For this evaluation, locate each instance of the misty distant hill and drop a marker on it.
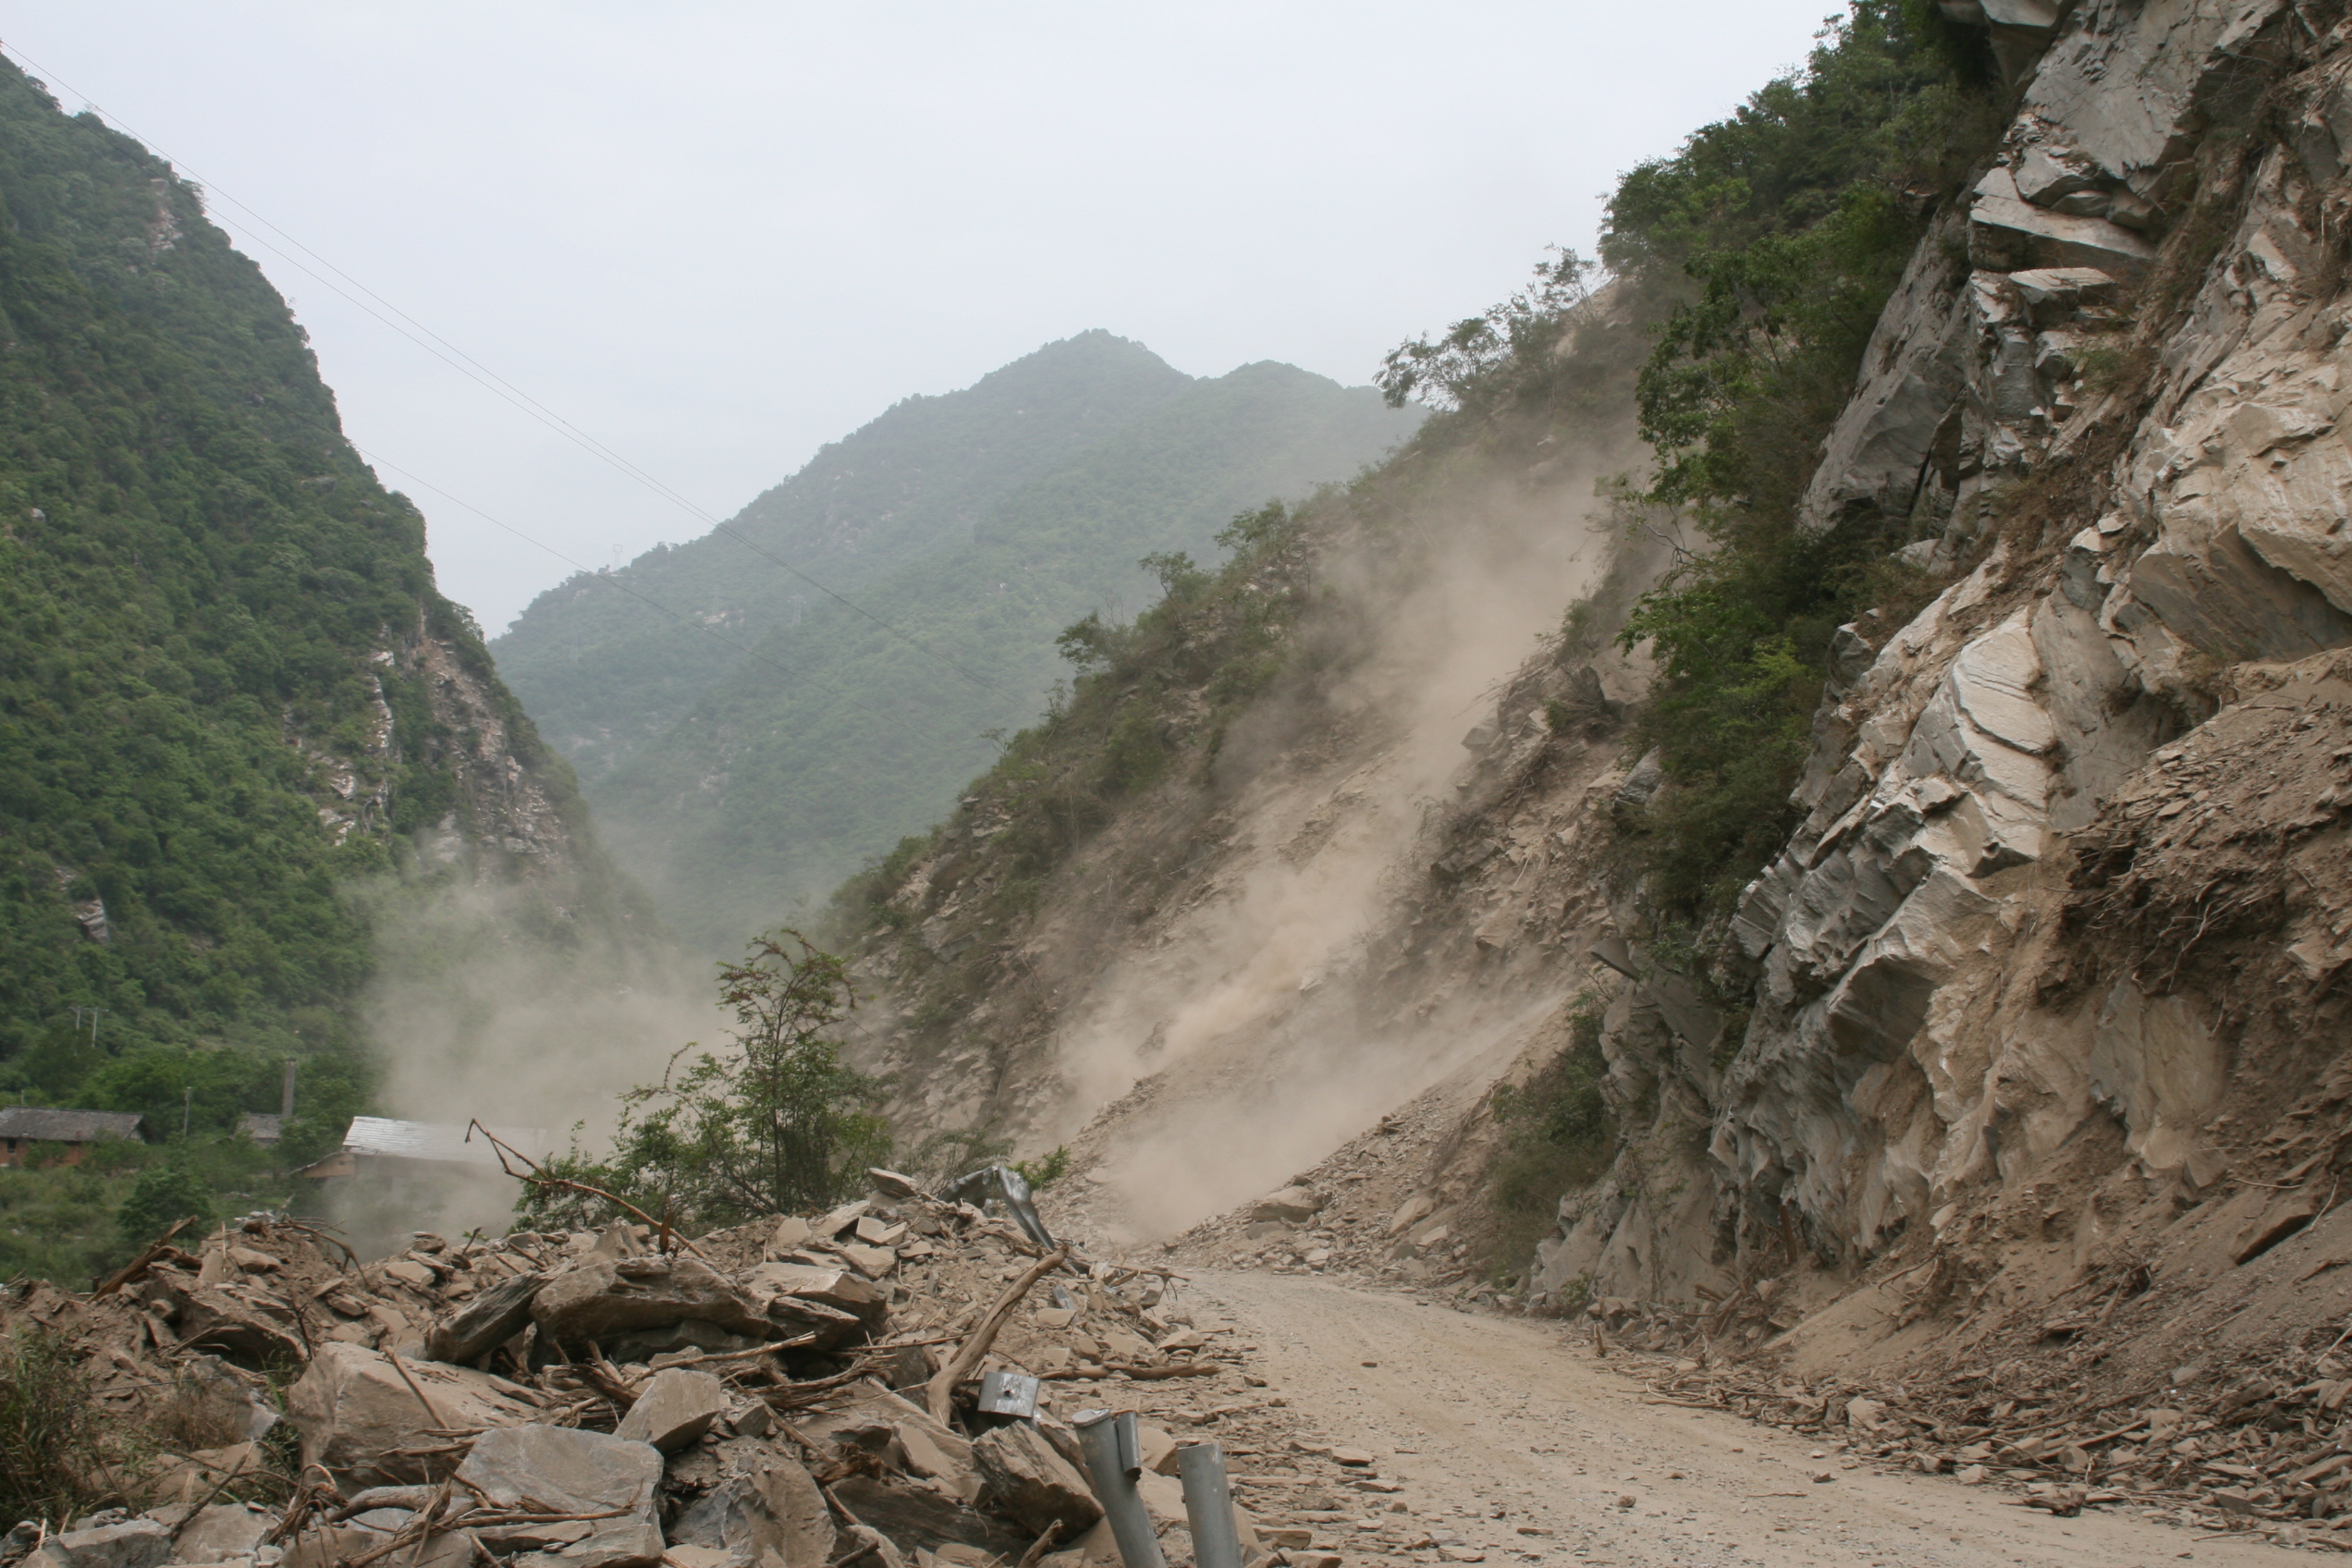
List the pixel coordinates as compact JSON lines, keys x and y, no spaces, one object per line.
{"x":979,"y":524}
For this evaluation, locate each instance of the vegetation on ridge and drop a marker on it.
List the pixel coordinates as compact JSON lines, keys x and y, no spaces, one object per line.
{"x":1792,"y":221}
{"x":200,"y":584}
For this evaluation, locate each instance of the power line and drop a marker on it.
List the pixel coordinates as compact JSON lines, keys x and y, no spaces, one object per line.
{"x":482,"y":375}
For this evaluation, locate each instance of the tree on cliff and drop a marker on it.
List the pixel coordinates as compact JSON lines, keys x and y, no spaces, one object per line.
{"x":774,"y":1123}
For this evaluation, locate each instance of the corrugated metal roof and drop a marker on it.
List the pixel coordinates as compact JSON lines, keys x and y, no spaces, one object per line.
{"x":439,"y":1144}
{"x":68,"y":1126}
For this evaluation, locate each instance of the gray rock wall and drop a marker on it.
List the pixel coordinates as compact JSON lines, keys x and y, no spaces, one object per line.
{"x":1900,"y":1046}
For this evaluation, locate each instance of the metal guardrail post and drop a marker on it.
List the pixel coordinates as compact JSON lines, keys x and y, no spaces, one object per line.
{"x":1208,"y":1505}
{"x":1114,"y":1458}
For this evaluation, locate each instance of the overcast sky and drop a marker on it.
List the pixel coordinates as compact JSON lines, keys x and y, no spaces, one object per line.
{"x":716,"y":236}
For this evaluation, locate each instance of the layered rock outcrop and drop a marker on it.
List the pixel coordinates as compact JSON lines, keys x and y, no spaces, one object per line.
{"x":2107,"y":395}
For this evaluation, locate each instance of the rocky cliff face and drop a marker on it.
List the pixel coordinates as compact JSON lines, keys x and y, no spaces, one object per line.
{"x":2063,"y":931}
{"x":2042,"y":1002}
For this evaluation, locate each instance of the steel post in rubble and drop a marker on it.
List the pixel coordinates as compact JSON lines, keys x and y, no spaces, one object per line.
{"x":1208,"y":1505}
{"x":1114,"y":1459}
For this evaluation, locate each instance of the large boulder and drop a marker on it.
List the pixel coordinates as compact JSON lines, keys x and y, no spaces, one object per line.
{"x":136,"y":1543}
{"x":911,"y":1514}
{"x":837,"y":1288}
{"x":607,"y":1298}
{"x":1295,"y":1205}
{"x":542,"y":1469}
{"x":1026,"y":1481}
{"x":925,"y":1447}
{"x":482,"y":1325}
{"x":355,"y":1414}
{"x":769,"y":1514}
{"x":222,"y":1531}
{"x":676,"y":1409}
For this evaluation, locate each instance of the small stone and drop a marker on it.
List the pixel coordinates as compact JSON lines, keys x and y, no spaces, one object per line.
{"x":1821,"y":1475}
{"x":1971,"y":1475}
{"x":1451,"y":1553}
{"x":1349,"y":1456}
{"x":872,"y":1262}
{"x":1625,"y":1500}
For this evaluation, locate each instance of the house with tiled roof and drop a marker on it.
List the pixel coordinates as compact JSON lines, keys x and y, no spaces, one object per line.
{"x":22,"y":1128}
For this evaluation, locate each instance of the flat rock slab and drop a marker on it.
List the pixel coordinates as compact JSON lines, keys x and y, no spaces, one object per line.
{"x":565,"y":1471}
{"x":137,"y":1543}
{"x":353,"y":1410}
{"x":840,"y":1289}
{"x":220,"y":1532}
{"x":607,"y":1296}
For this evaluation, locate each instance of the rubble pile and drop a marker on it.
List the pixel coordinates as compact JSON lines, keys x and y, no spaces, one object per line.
{"x":1398,"y":1208}
{"x":2268,"y":1450}
{"x":803,"y":1391}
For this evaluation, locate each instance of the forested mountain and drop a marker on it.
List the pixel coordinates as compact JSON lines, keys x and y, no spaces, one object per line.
{"x":736,"y":777}
{"x":604,"y":671}
{"x":229,"y":692}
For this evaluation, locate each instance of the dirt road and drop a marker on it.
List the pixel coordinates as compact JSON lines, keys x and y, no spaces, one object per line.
{"x":1495,"y":1426}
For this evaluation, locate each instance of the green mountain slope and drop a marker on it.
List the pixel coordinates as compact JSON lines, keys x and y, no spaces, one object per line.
{"x":229,"y":692}
{"x":839,"y":737}
{"x":603,"y":672}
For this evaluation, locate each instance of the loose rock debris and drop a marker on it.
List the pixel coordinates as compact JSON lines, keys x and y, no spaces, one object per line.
{"x":790,"y":1392}
{"x":2269,"y":1451}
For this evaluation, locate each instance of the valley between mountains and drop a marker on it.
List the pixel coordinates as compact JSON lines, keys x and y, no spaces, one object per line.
{"x":1710,"y":926}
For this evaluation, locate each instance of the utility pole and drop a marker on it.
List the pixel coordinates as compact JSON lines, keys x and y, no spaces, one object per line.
{"x":187,"y":1105}
{"x":285,"y":1099}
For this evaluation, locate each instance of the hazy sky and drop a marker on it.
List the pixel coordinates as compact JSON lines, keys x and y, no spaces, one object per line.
{"x":717,"y":236}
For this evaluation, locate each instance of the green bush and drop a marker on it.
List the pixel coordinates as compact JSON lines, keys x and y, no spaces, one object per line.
{"x":54,"y":1461}
{"x":1046,"y":1169}
{"x":162,"y":1195}
{"x":1792,"y":221}
{"x":775,"y":1124}
{"x":1558,"y":1134}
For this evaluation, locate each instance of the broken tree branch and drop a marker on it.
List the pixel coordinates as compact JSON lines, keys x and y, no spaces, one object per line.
{"x":431,"y":1413}
{"x":532,"y":1177}
{"x":939,"y":1394}
{"x":132,"y":1269}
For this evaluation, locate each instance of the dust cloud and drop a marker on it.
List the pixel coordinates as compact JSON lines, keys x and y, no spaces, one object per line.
{"x":1257,"y":1033}
{"x":487,"y":1006}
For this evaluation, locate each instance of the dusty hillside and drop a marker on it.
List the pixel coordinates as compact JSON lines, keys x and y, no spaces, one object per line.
{"x":1300,"y":924}
{"x":2023,"y":1051}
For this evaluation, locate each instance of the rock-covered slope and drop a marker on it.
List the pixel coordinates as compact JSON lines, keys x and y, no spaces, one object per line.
{"x":2023,"y":1051}
{"x":229,"y":692}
